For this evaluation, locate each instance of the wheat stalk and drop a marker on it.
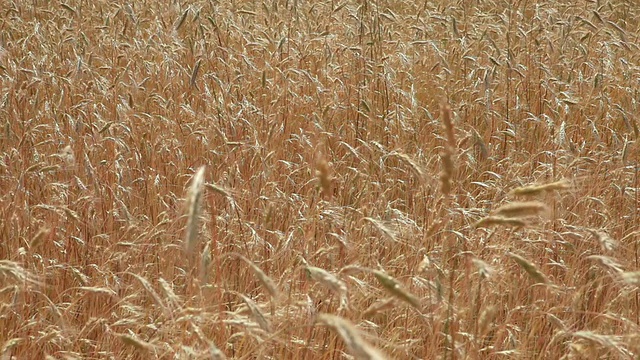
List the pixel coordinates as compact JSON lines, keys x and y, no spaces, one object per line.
{"x":604,"y":239}
{"x":520,"y":209}
{"x":255,"y":312}
{"x":533,"y":190}
{"x":449,"y":149}
{"x":386,"y":231}
{"x":394,"y":287}
{"x":324,"y":175}
{"x":530,"y":268}
{"x":266,"y":281}
{"x":358,"y":347}
{"x":331,"y":281}
{"x":499,"y":220}
{"x":137,"y":343}
{"x":194,"y":196}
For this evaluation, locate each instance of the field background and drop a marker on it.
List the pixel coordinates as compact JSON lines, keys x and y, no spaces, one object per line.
{"x":319,"y":179}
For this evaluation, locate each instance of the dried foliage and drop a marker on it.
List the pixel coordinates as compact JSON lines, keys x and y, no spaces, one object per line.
{"x":461,"y":179}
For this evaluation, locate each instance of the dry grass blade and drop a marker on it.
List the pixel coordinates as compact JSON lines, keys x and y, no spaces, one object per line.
{"x":358,"y":347}
{"x":266,"y":281}
{"x":163,"y":140}
{"x":180,"y":21}
{"x":520,"y":209}
{"x":194,"y":74}
{"x":193,"y":208}
{"x":394,"y":287}
{"x":529,"y":268}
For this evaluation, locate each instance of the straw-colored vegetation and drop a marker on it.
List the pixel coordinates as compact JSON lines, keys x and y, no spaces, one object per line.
{"x":289,"y":179}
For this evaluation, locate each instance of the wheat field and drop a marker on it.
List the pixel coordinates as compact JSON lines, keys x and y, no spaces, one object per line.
{"x":344,"y":179}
